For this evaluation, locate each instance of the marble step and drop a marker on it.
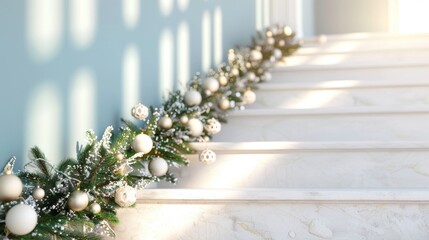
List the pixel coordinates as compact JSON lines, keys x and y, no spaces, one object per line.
{"x":386,"y":123}
{"x":383,"y":70}
{"x":276,"y":214}
{"x":308,"y":165}
{"x":341,"y":93}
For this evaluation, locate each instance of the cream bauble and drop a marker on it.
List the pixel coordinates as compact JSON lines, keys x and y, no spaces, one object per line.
{"x":249,"y":97}
{"x":142,"y":143}
{"x":165,"y":122}
{"x":158,"y":167}
{"x":251,"y":76}
{"x":213,"y":126}
{"x":38,"y":193}
{"x":255,"y":55}
{"x":184,"y":119}
{"x":193,"y":97}
{"x":195,"y":127}
{"x":235,"y":72}
{"x":223,"y":80}
{"x":125,"y":196}
{"x":223,"y":103}
{"x":10,"y":187}
{"x":282,"y":43}
{"x":277,"y":53}
{"x":267,"y":76}
{"x":140,"y":111}
{"x":271,"y":41}
{"x":287,"y":31}
{"x":207,"y":156}
{"x":21,"y":219}
{"x":78,"y":201}
{"x":211,"y":84}
{"x":95,"y":208}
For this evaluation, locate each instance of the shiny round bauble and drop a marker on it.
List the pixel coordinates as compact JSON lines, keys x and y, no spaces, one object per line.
{"x":269,"y":33}
{"x":207,"y":156}
{"x":38,"y":193}
{"x":208,"y":93}
{"x":140,"y":111}
{"x":193,"y":97}
{"x":165,"y":122}
{"x":21,"y":219}
{"x":267,"y":76}
{"x":251,"y":76}
{"x":95,"y":208}
{"x":211,"y":84}
{"x":184,"y":119}
{"x":287,"y":31}
{"x":223,"y":80}
{"x":249,"y":97}
{"x":78,"y":201}
{"x":235,"y":72}
{"x":125,"y":196}
{"x":10,"y":187}
{"x":271,"y":41}
{"x":277,"y":53}
{"x":213,"y":126}
{"x":223,"y":103}
{"x":255,"y":55}
{"x":195,"y":127}
{"x":158,"y":167}
{"x":142,"y":143}
{"x":282,"y":43}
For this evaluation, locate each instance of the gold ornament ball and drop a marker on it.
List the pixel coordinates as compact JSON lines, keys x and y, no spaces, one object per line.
{"x":249,"y":97}
{"x":196,"y":127}
{"x":223,"y":103}
{"x":165,"y":122}
{"x":95,"y":208}
{"x":78,"y":201}
{"x":158,"y":167}
{"x":211,"y":84}
{"x":235,"y":72}
{"x":21,"y":219}
{"x":255,"y":55}
{"x":38,"y":193}
{"x":10,"y":187}
{"x":223,"y":80}
{"x":192,"y":97}
{"x":287,"y":31}
{"x":184,"y":119}
{"x":142,"y":143}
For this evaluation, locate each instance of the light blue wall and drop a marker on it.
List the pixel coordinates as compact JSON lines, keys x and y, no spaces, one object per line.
{"x":39,"y":78}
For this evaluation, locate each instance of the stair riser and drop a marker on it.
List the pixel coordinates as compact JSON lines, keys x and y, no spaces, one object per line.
{"x":347,"y":97}
{"x":274,"y":221}
{"x":380,"y":73}
{"x":407,"y":126}
{"x":366,"y":168}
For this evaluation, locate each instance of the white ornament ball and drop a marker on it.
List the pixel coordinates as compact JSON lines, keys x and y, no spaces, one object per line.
{"x":140,"y":111}
{"x":78,"y":201}
{"x":211,"y":84}
{"x":223,"y":103}
{"x":235,"y":71}
{"x":165,"y":122}
{"x":277,"y":53}
{"x":142,"y":143}
{"x":21,"y":219}
{"x":184,"y":119}
{"x":195,"y":127}
{"x":267,"y":76}
{"x":271,"y":41}
{"x":287,"y":30}
{"x":207,"y":156}
{"x":249,"y":97}
{"x":223,"y":80}
{"x":255,"y":55}
{"x":10,"y":187}
{"x":95,"y":208}
{"x":125,"y":196}
{"x":282,"y":43}
{"x":38,"y":193}
{"x":158,"y":167}
{"x":251,"y":76}
{"x":193,"y":97}
{"x":213,"y":126}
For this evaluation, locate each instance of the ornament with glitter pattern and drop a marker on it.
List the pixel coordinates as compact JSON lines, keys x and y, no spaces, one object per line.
{"x":140,"y":111}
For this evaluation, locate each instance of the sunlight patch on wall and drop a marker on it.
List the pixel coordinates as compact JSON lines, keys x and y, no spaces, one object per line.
{"x":130,"y":78}
{"x":266,"y":18}
{"x":183,"y":4}
{"x":82,"y":107}
{"x":183,"y":52}
{"x":44,"y":122}
{"x":258,"y":15}
{"x":83,"y":22}
{"x":206,"y":41}
{"x":131,"y":13}
{"x":166,"y":61}
{"x":412,"y":16}
{"x":218,"y":35}
{"x":166,"y":7}
{"x":44,"y":28}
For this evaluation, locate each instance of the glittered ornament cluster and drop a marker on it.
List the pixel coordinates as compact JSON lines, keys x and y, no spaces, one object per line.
{"x":78,"y":198}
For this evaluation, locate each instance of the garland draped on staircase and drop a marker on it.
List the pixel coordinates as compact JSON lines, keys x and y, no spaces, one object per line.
{"x":78,"y":198}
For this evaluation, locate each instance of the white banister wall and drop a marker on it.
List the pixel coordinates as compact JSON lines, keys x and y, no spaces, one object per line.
{"x":288,"y":12}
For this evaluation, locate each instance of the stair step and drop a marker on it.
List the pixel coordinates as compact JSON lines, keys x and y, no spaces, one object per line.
{"x":341,"y":93}
{"x":277,"y":214}
{"x":308,"y":165}
{"x":327,"y":124}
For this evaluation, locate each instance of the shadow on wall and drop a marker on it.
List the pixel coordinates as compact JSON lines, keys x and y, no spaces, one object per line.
{"x":71,"y":65}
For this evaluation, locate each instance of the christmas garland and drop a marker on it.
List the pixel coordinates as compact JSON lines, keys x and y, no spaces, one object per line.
{"x":78,"y":198}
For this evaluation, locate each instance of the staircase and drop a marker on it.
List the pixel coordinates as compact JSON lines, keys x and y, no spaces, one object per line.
{"x":336,"y":147}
